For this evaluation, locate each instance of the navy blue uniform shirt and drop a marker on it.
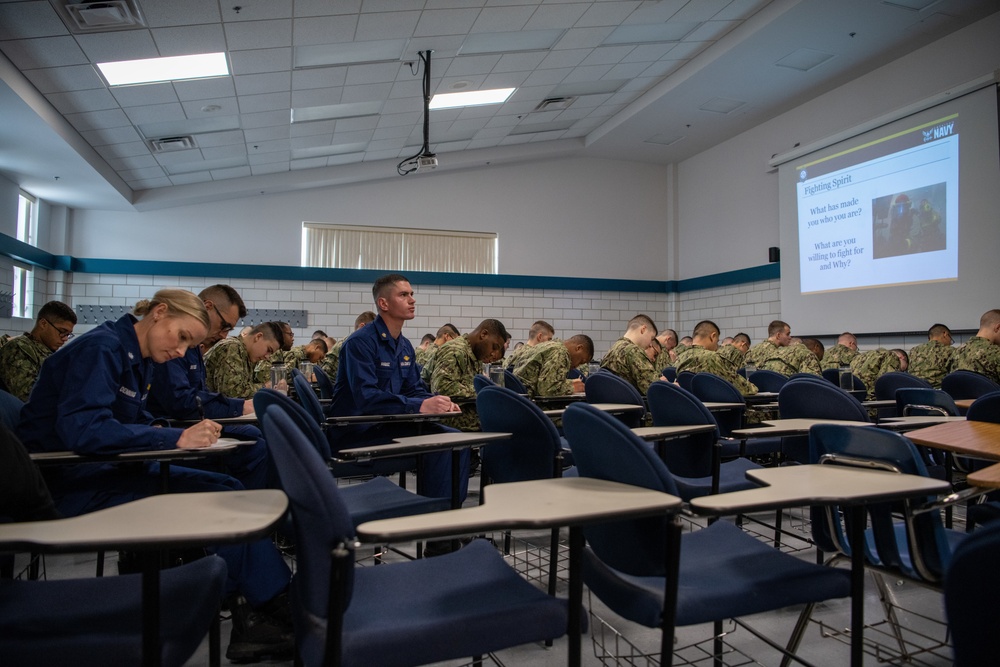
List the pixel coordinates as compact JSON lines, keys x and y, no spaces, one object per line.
{"x":179,"y":383}
{"x":91,"y":397}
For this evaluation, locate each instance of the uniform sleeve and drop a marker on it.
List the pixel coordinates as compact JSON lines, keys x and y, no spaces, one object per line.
{"x":226,"y":374}
{"x":173,"y":396}
{"x":641,"y":369}
{"x":450,"y":377}
{"x":18,"y":369}
{"x":94,"y":417}
{"x":552,"y":376}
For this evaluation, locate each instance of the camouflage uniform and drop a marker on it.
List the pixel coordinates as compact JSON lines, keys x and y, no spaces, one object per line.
{"x":421,"y":355}
{"x":680,"y":348}
{"x":931,"y":361}
{"x":511,"y":361}
{"x":4,"y":339}
{"x":454,"y":367}
{"x":428,"y":368}
{"x":765,"y":355}
{"x":799,"y":359}
{"x":697,"y":359}
{"x":980,"y":356}
{"x":837,"y":357}
{"x":20,"y":360}
{"x":629,"y":361}
{"x":733,"y":355}
{"x":873,"y":364}
{"x":290,"y":359}
{"x":544,"y":374}
{"x":331,"y":360}
{"x":228,"y":369}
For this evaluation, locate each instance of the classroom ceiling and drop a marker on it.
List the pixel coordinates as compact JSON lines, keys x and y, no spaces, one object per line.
{"x":654,"y":81}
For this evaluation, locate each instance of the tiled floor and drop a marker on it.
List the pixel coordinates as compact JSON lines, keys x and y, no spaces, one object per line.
{"x":626,"y":640}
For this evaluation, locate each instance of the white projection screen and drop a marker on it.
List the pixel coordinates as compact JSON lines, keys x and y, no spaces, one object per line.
{"x":896,"y":228}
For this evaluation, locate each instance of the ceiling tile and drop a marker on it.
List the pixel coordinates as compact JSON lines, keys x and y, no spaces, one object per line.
{"x":323,"y":30}
{"x":111,"y":135}
{"x":711,"y":30}
{"x":607,"y":55}
{"x":556,"y":16}
{"x":222,"y":152}
{"x":187,"y":179}
{"x":608,"y":13}
{"x":319,"y":77}
{"x":266,"y":133}
{"x":265,"y":102}
{"x":180,"y":12}
{"x":121,"y":45}
{"x":390,"y":5}
{"x":270,"y":82}
{"x":64,"y":79}
{"x":261,"y":60}
{"x":703,"y":10}
{"x":583,"y":38}
{"x":153,"y":93}
{"x":233,"y":172}
{"x":318,"y":97}
{"x":378,"y":91}
{"x":519,"y":62}
{"x":265,"y":119}
{"x":131,"y":148}
{"x":445,"y":22}
{"x":44,"y":52}
{"x":503,"y":19}
{"x":373,"y":73}
{"x":566,"y":58}
{"x":155,"y":114}
{"x":392,"y":25}
{"x":225,"y":138}
{"x":190,"y":39}
{"x":258,"y":35}
{"x":82,"y":100}
{"x":98,"y":120}
{"x":258,"y":10}
{"x":205,"y":109}
{"x":203,"y":89}
{"x":277,"y":167}
{"x":24,"y":20}
{"x":134,"y":162}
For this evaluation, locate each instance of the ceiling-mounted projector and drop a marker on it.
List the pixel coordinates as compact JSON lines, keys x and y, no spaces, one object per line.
{"x":426,"y":162}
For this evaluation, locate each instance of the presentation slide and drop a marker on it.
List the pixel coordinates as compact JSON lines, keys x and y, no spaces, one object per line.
{"x":883,"y":213}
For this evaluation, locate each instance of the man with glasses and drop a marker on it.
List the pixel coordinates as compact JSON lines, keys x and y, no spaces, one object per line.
{"x":21,"y":358}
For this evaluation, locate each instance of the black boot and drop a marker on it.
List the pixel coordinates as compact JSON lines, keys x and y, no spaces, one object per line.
{"x":260,"y":633}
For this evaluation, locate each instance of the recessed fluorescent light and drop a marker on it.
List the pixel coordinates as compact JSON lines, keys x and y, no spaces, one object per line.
{"x":173,"y":68}
{"x":472,"y":98}
{"x":505,"y":42}
{"x":320,"y":151}
{"x":673,"y":31}
{"x":334,"y":111}
{"x":324,"y":55}
{"x":537,"y":128}
{"x":721,"y":105}
{"x":204,"y":165}
{"x":579,"y":88}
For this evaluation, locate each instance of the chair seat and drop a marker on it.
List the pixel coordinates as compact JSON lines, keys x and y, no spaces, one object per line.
{"x":472,"y":591}
{"x":98,"y":621}
{"x":721,"y":568}
{"x":732,"y":477}
{"x":380,"y":498}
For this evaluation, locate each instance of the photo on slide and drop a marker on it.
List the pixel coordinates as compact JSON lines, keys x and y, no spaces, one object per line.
{"x":909,"y":222}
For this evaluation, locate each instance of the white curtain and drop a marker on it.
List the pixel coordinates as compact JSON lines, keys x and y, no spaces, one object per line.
{"x":393,"y":249}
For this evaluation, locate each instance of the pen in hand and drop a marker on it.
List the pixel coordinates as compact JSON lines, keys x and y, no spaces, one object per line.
{"x":201,"y":408}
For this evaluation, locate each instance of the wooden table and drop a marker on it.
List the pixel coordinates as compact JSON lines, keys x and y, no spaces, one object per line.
{"x":964,"y":437}
{"x":826,"y":485}
{"x":610,"y":408}
{"x":964,"y":403}
{"x":538,"y":504}
{"x":153,"y":524}
{"x":414,"y":417}
{"x":916,"y":421}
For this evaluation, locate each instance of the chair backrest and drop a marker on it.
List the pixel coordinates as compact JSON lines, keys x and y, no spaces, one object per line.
{"x":320,"y":518}
{"x":968,"y":384}
{"x":323,"y":382}
{"x":265,"y":398}
{"x":512,"y":382}
{"x":986,"y":408}
{"x":480,"y":381}
{"x":10,"y":410}
{"x":670,"y":373}
{"x":887,"y":384}
{"x":971,"y":588}
{"x":714,"y":389}
{"x":307,"y":397}
{"x":684,"y":379}
{"x":531,"y":451}
{"x":916,"y":400}
{"x":606,"y":387}
{"x":671,"y":405}
{"x":802,"y":398}
{"x":924,"y":552}
{"x":768,"y":380}
{"x":604,"y":448}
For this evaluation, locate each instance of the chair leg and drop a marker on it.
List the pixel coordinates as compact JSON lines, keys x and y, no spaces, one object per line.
{"x":777,"y":528}
{"x":100,"y":563}
{"x":798,"y":632}
{"x":717,"y":644}
{"x":885,"y":597}
{"x":214,"y":646}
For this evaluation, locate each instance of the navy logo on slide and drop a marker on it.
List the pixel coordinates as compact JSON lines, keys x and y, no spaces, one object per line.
{"x":939,"y":132}
{"x":803,"y":175}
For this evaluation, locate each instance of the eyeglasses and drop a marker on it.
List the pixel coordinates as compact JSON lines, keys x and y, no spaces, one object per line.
{"x":65,"y":334}
{"x":226,"y":326}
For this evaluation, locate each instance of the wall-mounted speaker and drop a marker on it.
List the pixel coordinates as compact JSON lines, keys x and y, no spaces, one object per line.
{"x":774,"y":254}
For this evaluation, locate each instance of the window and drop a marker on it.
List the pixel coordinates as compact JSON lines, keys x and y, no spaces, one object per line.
{"x":393,"y":249}
{"x":27,"y":228}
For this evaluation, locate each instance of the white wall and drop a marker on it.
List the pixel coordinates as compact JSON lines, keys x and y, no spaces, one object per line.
{"x":568,"y":217}
{"x":728,"y":202}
